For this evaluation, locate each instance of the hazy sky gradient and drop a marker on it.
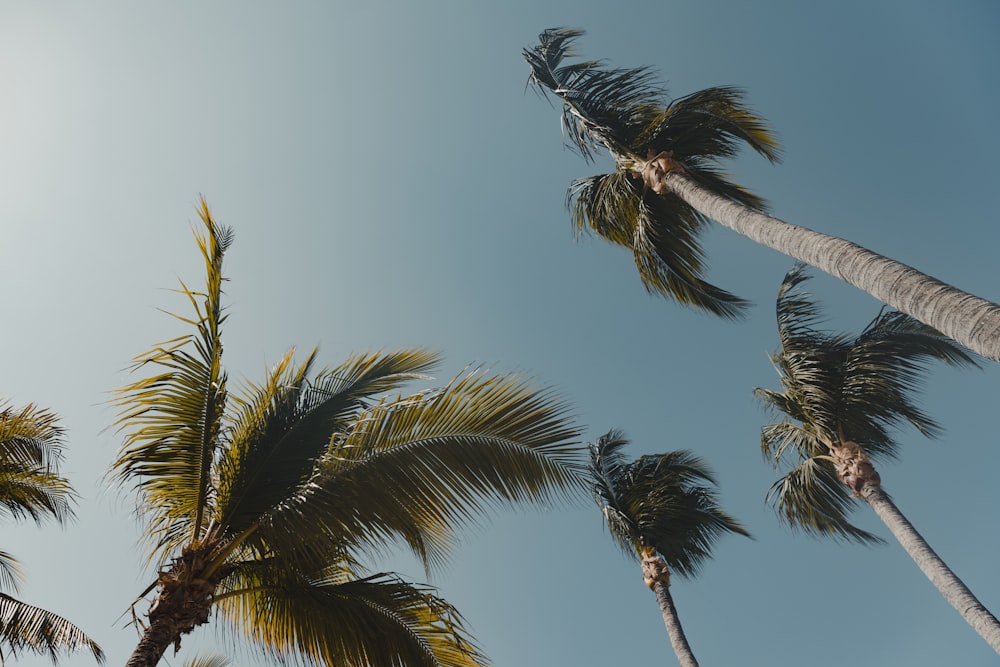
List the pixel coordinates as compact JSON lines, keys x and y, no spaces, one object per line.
{"x":392,"y":183}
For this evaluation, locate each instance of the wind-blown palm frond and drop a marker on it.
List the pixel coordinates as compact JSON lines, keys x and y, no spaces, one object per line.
{"x":30,"y":453}
{"x":336,"y":618}
{"x":620,"y":210}
{"x":283,"y":427}
{"x":663,"y":501}
{"x":837,"y":388}
{"x":416,"y":468}
{"x":172,"y":420}
{"x":625,"y":111}
{"x":24,"y":627}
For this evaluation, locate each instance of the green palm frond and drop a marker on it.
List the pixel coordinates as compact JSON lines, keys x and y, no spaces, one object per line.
{"x":836,"y":388}
{"x":664,"y":501}
{"x":671,"y":262}
{"x":283,"y":427}
{"x":30,"y":453}
{"x":27,"y":628}
{"x":416,"y":468}
{"x":625,"y":111}
{"x":810,"y":497}
{"x":172,"y":419}
{"x":338,"y":619}
{"x":11,"y":574}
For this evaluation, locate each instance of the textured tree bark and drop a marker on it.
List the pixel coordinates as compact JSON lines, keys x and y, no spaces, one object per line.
{"x":950,"y":586}
{"x":972,"y":321}
{"x":657,"y":577}
{"x":152,"y":645}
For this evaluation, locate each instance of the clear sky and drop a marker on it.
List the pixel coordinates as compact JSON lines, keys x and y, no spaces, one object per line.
{"x":391,"y":183}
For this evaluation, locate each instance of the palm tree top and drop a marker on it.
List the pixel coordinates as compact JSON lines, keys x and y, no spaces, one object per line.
{"x":839,"y":388}
{"x":664,"y":502}
{"x":626,"y":112}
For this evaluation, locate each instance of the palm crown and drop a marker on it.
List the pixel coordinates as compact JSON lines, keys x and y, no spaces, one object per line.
{"x":272,"y":497}
{"x":838,"y":388}
{"x":663,"y":502}
{"x":624,"y":111}
{"x":31,"y":444}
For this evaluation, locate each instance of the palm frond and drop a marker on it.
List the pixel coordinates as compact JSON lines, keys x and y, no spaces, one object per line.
{"x":837,"y":388}
{"x":337,"y":619}
{"x":415,"y":468}
{"x":27,"y":628}
{"x":283,"y":427}
{"x":208,"y":661}
{"x":31,"y":442}
{"x":670,"y":261}
{"x":172,"y":420}
{"x":664,"y":501}
{"x":601,"y":107}
{"x":810,"y":497}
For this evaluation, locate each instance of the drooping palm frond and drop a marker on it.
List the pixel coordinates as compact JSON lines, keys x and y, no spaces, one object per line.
{"x":838,"y":388}
{"x":283,"y":427}
{"x":810,"y":497}
{"x":625,"y":111}
{"x":416,"y":468}
{"x":670,"y":262}
{"x":30,"y":452}
{"x":27,"y":628}
{"x":664,"y":501}
{"x":172,"y":420}
{"x":208,"y":661}
{"x":336,"y":618}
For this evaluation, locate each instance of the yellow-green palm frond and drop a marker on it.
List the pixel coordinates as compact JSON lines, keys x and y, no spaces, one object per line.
{"x":27,"y":628}
{"x":670,"y":261}
{"x":172,"y":419}
{"x":415,"y":468}
{"x":208,"y":661}
{"x":664,"y":501}
{"x":283,"y":427}
{"x":31,"y":442}
{"x":337,"y":618}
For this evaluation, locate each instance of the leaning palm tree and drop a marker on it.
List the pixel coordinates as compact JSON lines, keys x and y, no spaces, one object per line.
{"x":264,"y":504}
{"x":32,"y":488}
{"x":842,"y":399}
{"x":662,"y":510}
{"x":667,"y":185}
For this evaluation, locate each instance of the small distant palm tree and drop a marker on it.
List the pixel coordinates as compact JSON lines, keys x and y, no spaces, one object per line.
{"x":32,"y":488}
{"x":668,"y":184}
{"x":842,"y":398}
{"x":264,"y":504}
{"x":662,"y":510}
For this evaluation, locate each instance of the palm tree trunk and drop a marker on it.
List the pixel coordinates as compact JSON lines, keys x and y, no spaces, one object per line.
{"x":153,"y":644}
{"x":966,"y":318}
{"x":678,"y":640}
{"x":657,"y":577}
{"x":950,"y":586}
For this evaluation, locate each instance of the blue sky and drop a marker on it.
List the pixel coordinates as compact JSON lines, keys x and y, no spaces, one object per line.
{"x":392,"y":183}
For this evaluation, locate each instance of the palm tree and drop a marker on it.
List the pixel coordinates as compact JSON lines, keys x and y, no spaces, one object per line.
{"x":264,"y":504}
{"x":32,"y":488}
{"x":667,"y":186}
{"x":842,"y":399}
{"x":662,"y":510}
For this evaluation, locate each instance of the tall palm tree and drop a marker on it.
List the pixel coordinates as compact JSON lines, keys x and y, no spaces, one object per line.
{"x":667,"y":186}
{"x":263,"y":504}
{"x":32,"y":488}
{"x":662,"y":510}
{"x":842,"y":399}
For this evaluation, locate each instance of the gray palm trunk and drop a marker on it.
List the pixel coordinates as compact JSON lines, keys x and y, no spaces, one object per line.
{"x":972,"y":321}
{"x":948,"y":584}
{"x":678,"y":640}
